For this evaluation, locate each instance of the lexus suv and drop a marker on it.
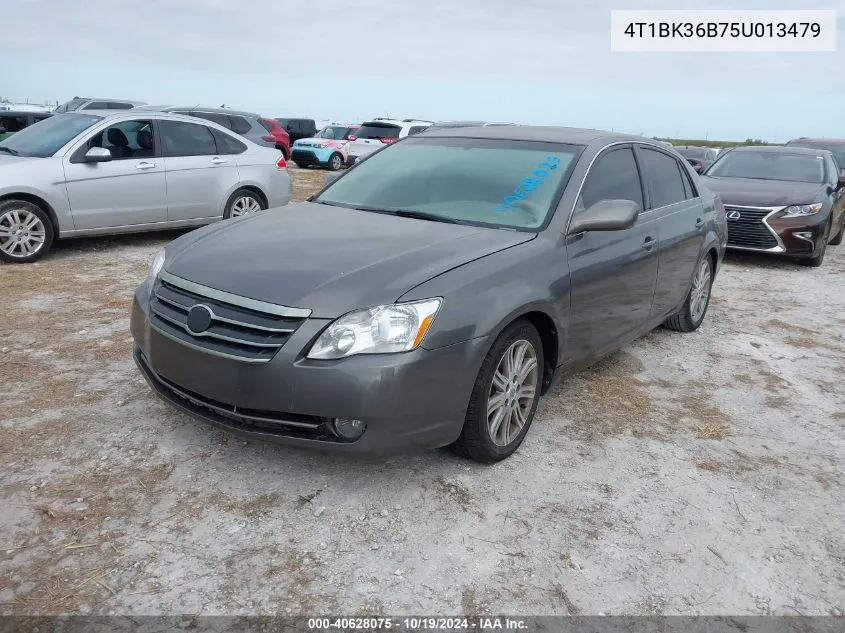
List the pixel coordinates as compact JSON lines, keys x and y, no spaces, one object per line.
{"x":780,"y":200}
{"x":375,"y":134}
{"x":428,"y":296}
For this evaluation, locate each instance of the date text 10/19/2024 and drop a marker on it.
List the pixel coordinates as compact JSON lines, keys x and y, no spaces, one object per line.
{"x":528,"y":185}
{"x":417,"y":624}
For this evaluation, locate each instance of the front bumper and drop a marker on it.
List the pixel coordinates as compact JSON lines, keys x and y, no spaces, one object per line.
{"x":800,"y":237}
{"x":415,"y":399}
{"x":311,"y":155}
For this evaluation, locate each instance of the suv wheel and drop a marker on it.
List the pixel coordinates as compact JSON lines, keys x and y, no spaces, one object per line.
{"x":815,"y":262}
{"x":26,"y":233}
{"x":691,"y":314}
{"x":243,"y":202}
{"x":504,"y":398}
{"x":335,"y":162}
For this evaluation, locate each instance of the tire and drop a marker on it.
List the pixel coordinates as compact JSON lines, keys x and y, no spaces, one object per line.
{"x":243,"y":202}
{"x":335,"y":162}
{"x":26,"y":232}
{"x":692,"y":313}
{"x":302,"y":165}
{"x":815,"y":262}
{"x":519,"y":340}
{"x":836,"y":241}
{"x":285,"y":154}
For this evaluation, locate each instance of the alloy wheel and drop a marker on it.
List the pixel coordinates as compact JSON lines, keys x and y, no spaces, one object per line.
{"x":512,"y":392}
{"x":700,"y":293}
{"x":22,"y":233}
{"x":245,"y":205}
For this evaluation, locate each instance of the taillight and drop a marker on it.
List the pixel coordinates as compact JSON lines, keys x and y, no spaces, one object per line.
{"x":352,"y":137}
{"x":281,"y":163}
{"x":388,"y":141}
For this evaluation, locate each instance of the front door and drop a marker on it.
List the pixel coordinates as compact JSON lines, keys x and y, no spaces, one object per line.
{"x":198,"y":178}
{"x":125,"y":191}
{"x":612,"y":273}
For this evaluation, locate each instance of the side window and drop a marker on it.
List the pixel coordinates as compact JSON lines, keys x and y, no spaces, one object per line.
{"x":126,"y":140}
{"x":186,"y":139}
{"x":239,"y":124}
{"x":614,"y":176}
{"x":663,"y":176}
{"x":417,"y":129}
{"x":220,"y":119}
{"x":13,"y":123}
{"x":97,"y":105}
{"x":227,"y":144}
{"x":119,"y":105}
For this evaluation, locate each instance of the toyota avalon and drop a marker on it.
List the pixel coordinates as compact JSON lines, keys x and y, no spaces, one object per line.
{"x":430,"y":294}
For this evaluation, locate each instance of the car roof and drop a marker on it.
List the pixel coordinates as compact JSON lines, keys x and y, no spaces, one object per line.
{"x":571,"y":135}
{"x":399,"y":122}
{"x":171,"y":108}
{"x":780,"y":149}
{"x":24,"y":112}
{"x":107,"y":100}
{"x":830,"y":141}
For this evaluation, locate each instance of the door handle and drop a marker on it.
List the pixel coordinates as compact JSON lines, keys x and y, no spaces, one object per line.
{"x":699,"y":223}
{"x":144,"y":165}
{"x":649,"y":243}
{"x":219,"y":161}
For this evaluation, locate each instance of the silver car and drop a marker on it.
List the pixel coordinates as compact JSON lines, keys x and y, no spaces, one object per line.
{"x":106,"y":172}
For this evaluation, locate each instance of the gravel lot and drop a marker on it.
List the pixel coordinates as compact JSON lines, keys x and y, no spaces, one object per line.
{"x":686,"y":474}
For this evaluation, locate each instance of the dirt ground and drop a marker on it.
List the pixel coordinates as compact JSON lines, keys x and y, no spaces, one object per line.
{"x":687,"y":474}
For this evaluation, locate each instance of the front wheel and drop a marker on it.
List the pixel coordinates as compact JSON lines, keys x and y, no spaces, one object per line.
{"x":815,"y":262}
{"x":335,"y":162}
{"x":26,"y":233}
{"x":243,"y":202}
{"x":504,"y":398}
{"x":691,"y":314}
{"x":836,"y":241}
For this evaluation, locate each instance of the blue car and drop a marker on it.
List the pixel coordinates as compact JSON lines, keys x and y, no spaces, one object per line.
{"x":329,"y":148}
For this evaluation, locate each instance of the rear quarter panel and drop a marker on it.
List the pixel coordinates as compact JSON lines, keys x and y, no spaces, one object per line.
{"x":257,"y":167}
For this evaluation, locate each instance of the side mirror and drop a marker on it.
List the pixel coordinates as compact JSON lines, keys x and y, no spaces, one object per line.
{"x":606,"y":215}
{"x":331,"y":177}
{"x":97,"y":155}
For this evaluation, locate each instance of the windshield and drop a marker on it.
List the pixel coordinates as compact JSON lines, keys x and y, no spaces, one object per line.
{"x":71,"y":105}
{"x":497,"y":183}
{"x":767,"y":165}
{"x":837,"y":149}
{"x":47,"y":137}
{"x":375,"y":130}
{"x":336,"y":132}
{"x":692,"y":153}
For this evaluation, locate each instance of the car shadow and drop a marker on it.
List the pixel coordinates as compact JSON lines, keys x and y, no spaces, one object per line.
{"x":77,"y":246}
{"x":761,"y":260}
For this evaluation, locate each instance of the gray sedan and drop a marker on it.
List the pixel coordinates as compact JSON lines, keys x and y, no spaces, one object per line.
{"x":104,"y":172}
{"x":430,"y":295}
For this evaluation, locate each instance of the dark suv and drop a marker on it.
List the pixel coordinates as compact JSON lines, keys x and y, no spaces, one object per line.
{"x":298,"y":128}
{"x":12,"y":121}
{"x":430,"y":294}
{"x":780,"y":200}
{"x":260,"y":130}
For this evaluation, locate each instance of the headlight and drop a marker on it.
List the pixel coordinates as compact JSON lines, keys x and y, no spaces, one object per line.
{"x":378,"y":330}
{"x":802,"y":209}
{"x":155,"y":269}
{"x":321,"y":145}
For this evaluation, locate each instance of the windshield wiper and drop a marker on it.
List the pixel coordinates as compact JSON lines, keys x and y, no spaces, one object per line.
{"x":422,"y":215}
{"x":8,"y":149}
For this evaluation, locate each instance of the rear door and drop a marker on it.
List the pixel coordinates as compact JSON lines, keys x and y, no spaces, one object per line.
{"x":372,"y":136}
{"x":612,"y":273}
{"x":125,"y":191}
{"x":199,"y":178}
{"x":673,"y":202}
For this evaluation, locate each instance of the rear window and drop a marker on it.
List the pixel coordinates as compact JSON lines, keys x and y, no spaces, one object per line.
{"x":374,"y":129}
{"x":837,"y":149}
{"x":692,"y":152}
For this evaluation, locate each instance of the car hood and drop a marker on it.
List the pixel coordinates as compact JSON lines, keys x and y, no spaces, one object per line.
{"x":7,"y":160}
{"x":763,"y":193}
{"x":328,"y":259}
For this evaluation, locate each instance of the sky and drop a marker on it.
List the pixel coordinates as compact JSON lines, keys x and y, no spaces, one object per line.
{"x":545,"y":62}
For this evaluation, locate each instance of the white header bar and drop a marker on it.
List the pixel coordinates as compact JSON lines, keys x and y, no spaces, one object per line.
{"x":702,"y":31}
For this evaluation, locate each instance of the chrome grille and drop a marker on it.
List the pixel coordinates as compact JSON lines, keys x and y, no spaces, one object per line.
{"x":749,"y":230}
{"x":235,"y":331}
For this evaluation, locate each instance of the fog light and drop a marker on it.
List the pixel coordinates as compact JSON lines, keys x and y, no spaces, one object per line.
{"x":349,"y":429}
{"x":804,"y":235}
